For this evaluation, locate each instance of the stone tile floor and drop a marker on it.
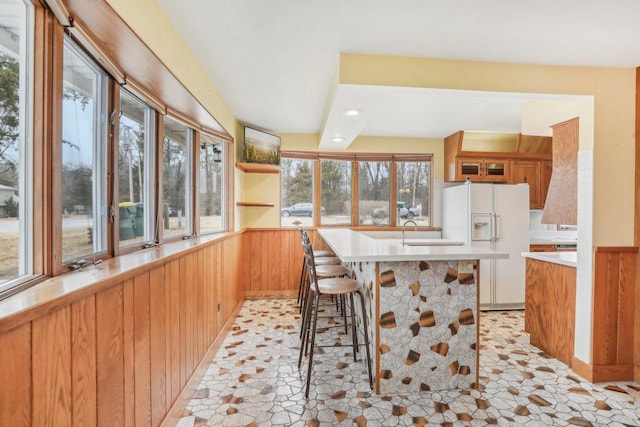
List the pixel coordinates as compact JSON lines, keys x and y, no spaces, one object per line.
{"x":254,"y":381}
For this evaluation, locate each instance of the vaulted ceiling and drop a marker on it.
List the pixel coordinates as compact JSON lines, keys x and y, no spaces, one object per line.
{"x":275,"y":62}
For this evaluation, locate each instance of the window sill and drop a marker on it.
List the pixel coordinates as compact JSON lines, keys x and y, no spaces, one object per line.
{"x":55,"y":292}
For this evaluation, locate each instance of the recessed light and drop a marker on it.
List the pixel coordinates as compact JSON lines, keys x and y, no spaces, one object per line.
{"x":337,"y":139}
{"x":352,"y":112}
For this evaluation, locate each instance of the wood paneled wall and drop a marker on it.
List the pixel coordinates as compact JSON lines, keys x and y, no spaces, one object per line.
{"x":636,"y":238}
{"x":550,"y":308}
{"x":122,"y":356}
{"x":274,"y":261}
{"x":612,"y":327}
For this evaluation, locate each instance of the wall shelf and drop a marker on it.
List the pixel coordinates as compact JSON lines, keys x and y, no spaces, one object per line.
{"x":257,"y":168}
{"x":258,"y":204}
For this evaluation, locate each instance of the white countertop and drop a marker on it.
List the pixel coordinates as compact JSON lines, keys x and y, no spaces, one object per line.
{"x":352,"y":246}
{"x":552,"y":241}
{"x":570,"y":259}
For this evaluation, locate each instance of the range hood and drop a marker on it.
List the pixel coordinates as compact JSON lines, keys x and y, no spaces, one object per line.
{"x":561,"y":206}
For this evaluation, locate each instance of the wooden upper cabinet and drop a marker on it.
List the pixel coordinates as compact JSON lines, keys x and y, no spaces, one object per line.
{"x":462,"y":159}
{"x":561,"y":206}
{"x":528,"y":172}
{"x":486,"y":170}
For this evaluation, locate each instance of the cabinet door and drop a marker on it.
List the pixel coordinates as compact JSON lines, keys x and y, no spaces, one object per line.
{"x":480,"y":170}
{"x":495,"y":170}
{"x":545,"y":177}
{"x":528,"y":172}
{"x":468,"y":167}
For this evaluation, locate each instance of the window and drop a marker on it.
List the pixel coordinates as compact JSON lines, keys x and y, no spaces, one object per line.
{"x":296,"y":201}
{"x":135,"y":149}
{"x":373,"y":193}
{"x":378,"y":175}
{"x":176,"y":197}
{"x":84,"y":118}
{"x":335,"y":193}
{"x":15,"y":138}
{"x":211,"y":186}
{"x":413,"y":189}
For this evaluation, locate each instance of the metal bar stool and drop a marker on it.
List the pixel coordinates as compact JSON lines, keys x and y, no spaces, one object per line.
{"x":323,"y":258}
{"x":336,"y":286}
{"x":326,"y":266}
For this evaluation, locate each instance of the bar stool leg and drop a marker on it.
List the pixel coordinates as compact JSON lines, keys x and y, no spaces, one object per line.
{"x":354,"y":329}
{"x":304,"y":331}
{"x":313,"y":341}
{"x":366,"y":337}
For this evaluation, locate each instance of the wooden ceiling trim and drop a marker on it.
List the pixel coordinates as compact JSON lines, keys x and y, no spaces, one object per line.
{"x":120,"y":44}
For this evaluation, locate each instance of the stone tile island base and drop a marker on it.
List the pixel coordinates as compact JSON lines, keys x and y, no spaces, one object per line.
{"x":424,"y":323}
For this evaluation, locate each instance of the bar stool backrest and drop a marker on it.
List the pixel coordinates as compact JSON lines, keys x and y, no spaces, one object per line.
{"x":309,"y":260}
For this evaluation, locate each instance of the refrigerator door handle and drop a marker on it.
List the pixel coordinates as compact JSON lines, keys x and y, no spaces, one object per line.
{"x":496,"y":219}
{"x":492,"y":226}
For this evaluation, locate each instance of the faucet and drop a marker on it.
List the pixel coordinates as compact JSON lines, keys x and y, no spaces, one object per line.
{"x":415,"y":227}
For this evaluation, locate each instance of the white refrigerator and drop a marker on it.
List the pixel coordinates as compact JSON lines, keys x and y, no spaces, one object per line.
{"x":494,"y":216}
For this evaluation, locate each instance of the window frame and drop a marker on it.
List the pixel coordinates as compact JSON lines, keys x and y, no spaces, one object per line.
{"x":150,"y":152}
{"x":223,"y":175}
{"x":101,"y":167}
{"x":356,"y":158}
{"x":313,"y":192}
{"x":45,"y":33}
{"x":28,"y":249}
{"x":192,"y":138}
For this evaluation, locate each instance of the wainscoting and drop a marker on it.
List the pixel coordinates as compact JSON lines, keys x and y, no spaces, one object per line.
{"x":612,"y":328}
{"x":121,"y":351}
{"x":274,"y":261}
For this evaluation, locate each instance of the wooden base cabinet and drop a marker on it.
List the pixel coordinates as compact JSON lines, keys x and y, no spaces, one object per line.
{"x":550,"y":308}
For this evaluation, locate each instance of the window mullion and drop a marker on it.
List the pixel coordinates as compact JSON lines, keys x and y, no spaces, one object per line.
{"x":393,"y":195}
{"x":355,"y":193}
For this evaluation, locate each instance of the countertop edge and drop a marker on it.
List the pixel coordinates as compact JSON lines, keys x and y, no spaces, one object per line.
{"x":563,"y":258}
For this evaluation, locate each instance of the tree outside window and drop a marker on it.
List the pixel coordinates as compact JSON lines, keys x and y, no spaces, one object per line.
{"x":413,"y":189}
{"x":175,"y":164}
{"x":15,"y":111}
{"x":336,"y":192}
{"x":211,"y":184}
{"x":296,"y":204}
{"x":83,"y":191}
{"x":373,"y":193}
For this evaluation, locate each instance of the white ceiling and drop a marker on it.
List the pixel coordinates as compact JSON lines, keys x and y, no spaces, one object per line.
{"x":274,"y":62}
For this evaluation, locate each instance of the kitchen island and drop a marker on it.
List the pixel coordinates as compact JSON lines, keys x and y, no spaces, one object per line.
{"x":423,"y":304}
